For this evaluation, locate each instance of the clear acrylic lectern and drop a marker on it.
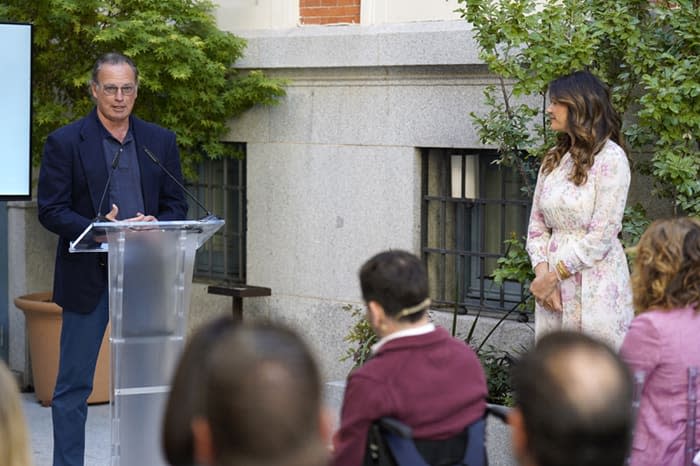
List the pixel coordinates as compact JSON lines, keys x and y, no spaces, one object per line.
{"x":150,"y":277}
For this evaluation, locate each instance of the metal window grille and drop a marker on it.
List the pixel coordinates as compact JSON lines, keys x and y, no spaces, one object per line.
{"x":470,"y":206}
{"x":221,"y":188}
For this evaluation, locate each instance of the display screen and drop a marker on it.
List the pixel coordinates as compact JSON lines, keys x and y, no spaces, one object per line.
{"x":16,"y":114}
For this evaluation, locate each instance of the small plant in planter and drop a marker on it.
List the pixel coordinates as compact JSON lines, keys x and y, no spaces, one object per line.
{"x":497,"y":364}
{"x":361,"y":337}
{"x":513,"y":266}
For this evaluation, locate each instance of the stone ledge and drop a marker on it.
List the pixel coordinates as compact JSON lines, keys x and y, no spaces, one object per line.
{"x":426,"y":43}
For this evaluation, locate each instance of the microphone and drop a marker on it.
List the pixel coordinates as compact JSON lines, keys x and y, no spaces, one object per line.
{"x":177,"y":182}
{"x":115,"y":164}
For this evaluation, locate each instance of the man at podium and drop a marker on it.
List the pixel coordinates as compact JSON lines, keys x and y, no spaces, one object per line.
{"x":94,"y":165}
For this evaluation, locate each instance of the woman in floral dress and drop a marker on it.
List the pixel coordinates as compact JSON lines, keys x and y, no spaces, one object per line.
{"x":582,"y":279}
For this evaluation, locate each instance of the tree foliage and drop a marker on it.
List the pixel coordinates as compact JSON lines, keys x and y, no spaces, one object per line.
{"x":649,"y":52}
{"x":187,"y":79}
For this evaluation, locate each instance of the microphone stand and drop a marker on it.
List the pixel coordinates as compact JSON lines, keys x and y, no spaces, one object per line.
{"x":155,"y":160}
{"x":115,"y":164}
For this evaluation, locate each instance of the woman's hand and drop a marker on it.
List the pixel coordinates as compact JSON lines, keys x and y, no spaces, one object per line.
{"x":553,"y":302}
{"x":545,"y":288}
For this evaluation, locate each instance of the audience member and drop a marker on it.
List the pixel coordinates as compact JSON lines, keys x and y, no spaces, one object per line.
{"x":186,"y":400}
{"x":417,"y":373}
{"x":14,"y":442}
{"x":662,"y":342}
{"x":262,"y":402}
{"x":573,"y":403}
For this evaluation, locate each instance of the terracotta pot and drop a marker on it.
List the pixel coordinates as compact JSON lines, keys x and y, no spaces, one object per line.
{"x":44,"y":319}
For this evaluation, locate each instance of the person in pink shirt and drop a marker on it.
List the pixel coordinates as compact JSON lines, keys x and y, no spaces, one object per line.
{"x":664,"y":338}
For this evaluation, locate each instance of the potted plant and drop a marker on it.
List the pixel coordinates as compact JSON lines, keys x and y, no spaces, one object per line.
{"x":44,"y":319}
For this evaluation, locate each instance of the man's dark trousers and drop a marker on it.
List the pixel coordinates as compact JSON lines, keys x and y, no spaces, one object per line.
{"x":81,"y":337}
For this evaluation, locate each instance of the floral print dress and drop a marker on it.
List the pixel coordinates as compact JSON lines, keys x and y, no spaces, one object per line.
{"x":579,"y":225}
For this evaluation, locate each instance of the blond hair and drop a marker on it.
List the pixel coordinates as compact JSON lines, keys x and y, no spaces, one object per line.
{"x":666,"y":271}
{"x":14,"y":442}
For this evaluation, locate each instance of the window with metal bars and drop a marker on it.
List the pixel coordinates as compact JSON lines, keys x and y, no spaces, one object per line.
{"x":470,"y":206}
{"x":221,"y":188}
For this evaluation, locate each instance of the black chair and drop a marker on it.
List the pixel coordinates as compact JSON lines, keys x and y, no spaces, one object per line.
{"x":391,"y":443}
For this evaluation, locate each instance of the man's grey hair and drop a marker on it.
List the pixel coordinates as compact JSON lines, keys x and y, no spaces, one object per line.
{"x":113,"y":58}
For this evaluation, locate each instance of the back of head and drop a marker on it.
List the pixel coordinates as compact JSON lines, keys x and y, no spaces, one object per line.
{"x":186,"y":400}
{"x":398,"y":281}
{"x":263,"y":399}
{"x":14,"y":443}
{"x":575,"y":396}
{"x":666,"y":272}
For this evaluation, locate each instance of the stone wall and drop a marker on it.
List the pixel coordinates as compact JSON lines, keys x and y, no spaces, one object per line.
{"x":334,"y":173}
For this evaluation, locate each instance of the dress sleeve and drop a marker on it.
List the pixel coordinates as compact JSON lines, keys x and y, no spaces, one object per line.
{"x":612,"y":181}
{"x":641,"y":347}
{"x":538,"y":233}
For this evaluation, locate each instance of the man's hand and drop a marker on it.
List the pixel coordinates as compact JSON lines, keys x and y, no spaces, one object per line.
{"x":112,"y":216}
{"x":142,"y":218}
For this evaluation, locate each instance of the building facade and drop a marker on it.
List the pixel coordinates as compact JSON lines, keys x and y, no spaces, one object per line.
{"x":372,"y":148}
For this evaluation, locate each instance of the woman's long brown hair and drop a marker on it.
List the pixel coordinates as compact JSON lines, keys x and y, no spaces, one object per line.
{"x":591,"y":121}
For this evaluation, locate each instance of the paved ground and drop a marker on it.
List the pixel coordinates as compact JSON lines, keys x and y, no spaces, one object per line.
{"x":97,"y":442}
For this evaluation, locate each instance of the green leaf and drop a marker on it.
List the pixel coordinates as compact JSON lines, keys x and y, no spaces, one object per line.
{"x":187,"y":77}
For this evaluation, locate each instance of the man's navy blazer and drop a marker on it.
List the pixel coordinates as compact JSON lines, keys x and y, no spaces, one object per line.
{"x":72,"y":178}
